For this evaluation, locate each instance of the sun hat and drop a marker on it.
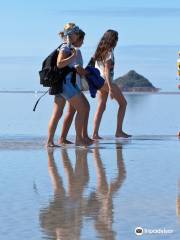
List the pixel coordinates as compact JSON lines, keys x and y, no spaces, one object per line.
{"x":69,"y":32}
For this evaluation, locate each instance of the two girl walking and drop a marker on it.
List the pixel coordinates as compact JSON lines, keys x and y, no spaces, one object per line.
{"x":78,"y":105}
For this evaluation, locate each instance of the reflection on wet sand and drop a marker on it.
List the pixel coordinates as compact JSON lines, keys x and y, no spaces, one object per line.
{"x":178,"y":201}
{"x":63,"y":217}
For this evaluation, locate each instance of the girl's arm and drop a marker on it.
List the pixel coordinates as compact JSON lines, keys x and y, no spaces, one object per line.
{"x":64,"y":59}
{"x":107,"y":74}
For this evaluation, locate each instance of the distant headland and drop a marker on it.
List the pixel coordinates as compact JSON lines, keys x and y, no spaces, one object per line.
{"x":134,"y":82}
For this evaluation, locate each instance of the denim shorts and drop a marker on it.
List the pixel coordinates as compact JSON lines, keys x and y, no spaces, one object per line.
{"x":69,"y":90}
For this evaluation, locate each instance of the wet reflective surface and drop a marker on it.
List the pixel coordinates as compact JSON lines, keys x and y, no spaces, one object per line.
{"x":101,"y":192}
{"x":71,"y":208}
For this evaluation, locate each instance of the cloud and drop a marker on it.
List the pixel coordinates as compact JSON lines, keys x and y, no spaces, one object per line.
{"x":123,"y":12}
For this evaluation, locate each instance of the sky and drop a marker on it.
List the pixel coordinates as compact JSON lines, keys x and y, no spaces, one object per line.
{"x":30,"y":28}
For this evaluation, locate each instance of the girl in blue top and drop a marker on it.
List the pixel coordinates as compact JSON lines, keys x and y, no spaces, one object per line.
{"x":71,"y":111}
{"x":71,"y":93}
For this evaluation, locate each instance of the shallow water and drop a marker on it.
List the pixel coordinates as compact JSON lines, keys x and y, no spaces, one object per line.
{"x":155,"y":62}
{"x":147,"y":114}
{"x":101,"y":192}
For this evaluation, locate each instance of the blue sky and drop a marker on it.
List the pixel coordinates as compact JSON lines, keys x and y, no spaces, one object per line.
{"x":29,"y":28}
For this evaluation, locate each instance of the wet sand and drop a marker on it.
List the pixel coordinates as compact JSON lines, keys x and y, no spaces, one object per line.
{"x":101,"y":192}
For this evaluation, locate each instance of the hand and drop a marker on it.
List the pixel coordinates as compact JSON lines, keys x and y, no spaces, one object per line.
{"x":80,"y":70}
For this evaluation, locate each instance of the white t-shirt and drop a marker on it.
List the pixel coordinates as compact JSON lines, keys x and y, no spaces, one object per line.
{"x":77,"y":61}
{"x":100,"y":65}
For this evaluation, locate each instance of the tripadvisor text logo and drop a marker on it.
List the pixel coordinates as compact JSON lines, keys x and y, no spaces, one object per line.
{"x":139,"y":231}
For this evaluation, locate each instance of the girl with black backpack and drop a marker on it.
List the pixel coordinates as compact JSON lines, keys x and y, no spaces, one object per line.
{"x":71,"y":92}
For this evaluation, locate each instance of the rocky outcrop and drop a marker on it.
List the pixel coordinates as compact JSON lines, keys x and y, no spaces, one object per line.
{"x":132,"y":81}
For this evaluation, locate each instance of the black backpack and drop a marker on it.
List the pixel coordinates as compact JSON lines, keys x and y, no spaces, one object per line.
{"x":50,"y":74}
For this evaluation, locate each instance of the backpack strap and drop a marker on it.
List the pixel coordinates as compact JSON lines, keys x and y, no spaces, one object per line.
{"x":58,"y":48}
{"x":34,"y":108}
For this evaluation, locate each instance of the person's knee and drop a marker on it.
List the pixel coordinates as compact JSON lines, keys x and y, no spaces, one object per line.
{"x":58,"y":107}
{"x":86,"y":105}
{"x":70,"y":113}
{"x":84,"y":108}
{"x":58,"y":114}
{"x":123,"y":104}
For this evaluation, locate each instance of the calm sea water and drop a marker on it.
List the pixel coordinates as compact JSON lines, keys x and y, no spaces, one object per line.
{"x":157,"y":63}
{"x":101,"y":192}
{"x":147,"y":114}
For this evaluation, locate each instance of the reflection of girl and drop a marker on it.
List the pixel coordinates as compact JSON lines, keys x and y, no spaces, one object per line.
{"x":71,"y":92}
{"x":63,"y":217}
{"x":105,"y":193}
{"x":104,"y":61}
{"x":69,"y":207}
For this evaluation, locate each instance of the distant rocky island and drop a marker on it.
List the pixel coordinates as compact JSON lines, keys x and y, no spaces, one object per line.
{"x":134,"y":82}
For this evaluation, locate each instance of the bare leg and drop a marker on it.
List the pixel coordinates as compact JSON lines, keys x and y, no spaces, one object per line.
{"x":79,"y":103}
{"x":102,"y":184}
{"x":67,"y":124}
{"x":59,"y":104}
{"x":85,"y":125}
{"x":69,"y":172}
{"x":85,"y":131}
{"x":55,"y":178}
{"x":81,"y":170}
{"x":119,"y":97}
{"x":102,"y":99}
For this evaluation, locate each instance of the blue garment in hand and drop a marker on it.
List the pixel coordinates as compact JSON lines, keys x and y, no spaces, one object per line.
{"x":94,"y":79}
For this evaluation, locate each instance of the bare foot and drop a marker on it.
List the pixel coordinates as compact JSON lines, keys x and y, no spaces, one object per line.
{"x":88,"y":140}
{"x":123,"y":135}
{"x":96,"y":137}
{"x":64,"y":141}
{"x":51,"y":145}
{"x":82,"y":142}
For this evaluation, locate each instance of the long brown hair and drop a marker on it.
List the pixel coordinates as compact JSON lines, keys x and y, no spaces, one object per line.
{"x":106,"y":44}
